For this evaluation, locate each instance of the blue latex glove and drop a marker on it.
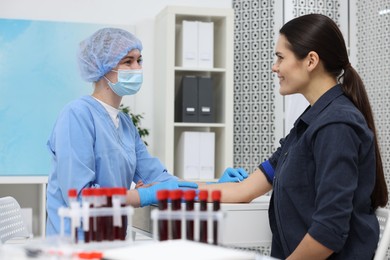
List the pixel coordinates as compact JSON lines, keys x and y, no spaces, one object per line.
{"x":148,"y":195}
{"x":233,"y":175}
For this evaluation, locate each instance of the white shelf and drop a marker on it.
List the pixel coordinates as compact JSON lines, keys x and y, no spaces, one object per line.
{"x":23,"y":179}
{"x":199,"y":125}
{"x":200,"y":69}
{"x":29,"y":192}
{"x":169,"y":74}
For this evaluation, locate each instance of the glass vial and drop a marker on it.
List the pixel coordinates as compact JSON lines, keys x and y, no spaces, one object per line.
{"x":162,"y":197}
{"x":216,"y":198}
{"x":203,"y":196}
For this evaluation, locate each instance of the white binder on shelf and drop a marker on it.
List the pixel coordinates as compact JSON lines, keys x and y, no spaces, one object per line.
{"x":205,"y":44}
{"x":188,"y":156}
{"x":189,"y":45}
{"x":195,"y":155}
{"x":206,"y":155}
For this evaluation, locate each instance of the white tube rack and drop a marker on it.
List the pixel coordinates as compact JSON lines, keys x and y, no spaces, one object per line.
{"x":212,"y":218}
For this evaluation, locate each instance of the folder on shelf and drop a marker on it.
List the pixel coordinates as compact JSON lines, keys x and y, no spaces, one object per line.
{"x":195,"y":153}
{"x":205,"y":44}
{"x":189,"y":43}
{"x":206,"y":100}
{"x":206,"y":155}
{"x":186,"y":101}
{"x":188,"y":156}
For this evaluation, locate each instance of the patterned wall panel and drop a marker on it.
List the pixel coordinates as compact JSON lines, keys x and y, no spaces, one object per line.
{"x":253,"y":82}
{"x":254,"y":106}
{"x":373,"y":55}
{"x":327,"y":7}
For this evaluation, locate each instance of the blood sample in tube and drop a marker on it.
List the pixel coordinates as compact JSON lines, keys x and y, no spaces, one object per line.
{"x":162,"y":197}
{"x":99,"y":223}
{"x":189,"y":196}
{"x":120,"y":231}
{"x":109,"y":228}
{"x":72,"y":194}
{"x":87,"y":197}
{"x":176,"y":196}
{"x":203,"y":195}
{"x":216,"y":198}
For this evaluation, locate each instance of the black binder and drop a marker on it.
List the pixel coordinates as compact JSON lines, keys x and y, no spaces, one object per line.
{"x":186,"y":102}
{"x":205,"y":100}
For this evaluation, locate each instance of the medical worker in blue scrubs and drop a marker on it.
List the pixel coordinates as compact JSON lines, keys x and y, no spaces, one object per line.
{"x":326,"y":176}
{"x":93,"y":144}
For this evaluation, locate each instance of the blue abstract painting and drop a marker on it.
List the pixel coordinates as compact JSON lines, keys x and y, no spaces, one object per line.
{"x":38,"y":76}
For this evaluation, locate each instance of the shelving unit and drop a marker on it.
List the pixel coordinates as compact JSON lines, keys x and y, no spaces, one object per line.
{"x":168,"y":75}
{"x":30,"y":192}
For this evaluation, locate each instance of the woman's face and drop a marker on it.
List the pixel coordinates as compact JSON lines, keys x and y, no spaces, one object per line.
{"x":132,"y":61}
{"x":293,"y":75}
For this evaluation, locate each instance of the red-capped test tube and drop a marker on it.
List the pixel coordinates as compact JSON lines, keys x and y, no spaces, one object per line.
{"x":109,"y":223}
{"x":203,"y":195}
{"x":99,"y":197}
{"x":176,"y":196}
{"x":216,"y":198}
{"x":87,"y":203}
{"x":119,"y":221}
{"x":162,"y":197}
{"x":75,"y":218}
{"x":189,"y":197}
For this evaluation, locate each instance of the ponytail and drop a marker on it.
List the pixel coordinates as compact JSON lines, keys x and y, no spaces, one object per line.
{"x":354,"y":88}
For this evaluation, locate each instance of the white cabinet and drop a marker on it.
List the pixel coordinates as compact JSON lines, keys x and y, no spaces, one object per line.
{"x":169,"y":73}
{"x":30,"y":192}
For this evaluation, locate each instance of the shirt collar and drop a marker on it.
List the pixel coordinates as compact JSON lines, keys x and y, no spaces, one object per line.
{"x":112,"y":111}
{"x":312,"y":112}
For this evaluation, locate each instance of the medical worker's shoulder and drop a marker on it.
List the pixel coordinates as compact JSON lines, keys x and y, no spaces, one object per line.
{"x":81,"y":105}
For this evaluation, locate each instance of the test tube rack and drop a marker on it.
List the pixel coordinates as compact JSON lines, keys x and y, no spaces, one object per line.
{"x":78,"y":215}
{"x":212,"y":218}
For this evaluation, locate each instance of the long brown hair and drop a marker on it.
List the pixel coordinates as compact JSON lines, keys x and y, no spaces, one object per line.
{"x":319,"y":33}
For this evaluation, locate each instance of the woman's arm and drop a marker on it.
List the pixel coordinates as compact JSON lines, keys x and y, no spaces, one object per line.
{"x":309,"y":248}
{"x":247,"y":190}
{"x":133,"y":199}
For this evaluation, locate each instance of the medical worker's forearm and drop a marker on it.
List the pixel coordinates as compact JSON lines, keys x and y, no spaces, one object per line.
{"x":309,"y":248}
{"x":133,"y":198}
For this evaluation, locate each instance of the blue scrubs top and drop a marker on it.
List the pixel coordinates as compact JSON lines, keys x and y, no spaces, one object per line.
{"x":324,"y":177}
{"x":89,"y":151}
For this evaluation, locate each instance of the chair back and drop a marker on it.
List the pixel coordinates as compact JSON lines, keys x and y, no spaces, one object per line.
{"x":11,"y":221}
{"x":384,"y":237}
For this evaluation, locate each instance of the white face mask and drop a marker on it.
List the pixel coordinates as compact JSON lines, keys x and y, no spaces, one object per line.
{"x":129,"y":82}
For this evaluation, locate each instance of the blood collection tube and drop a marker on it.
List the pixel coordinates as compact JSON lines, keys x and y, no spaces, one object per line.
{"x":162,"y":197}
{"x":119,"y":196}
{"x":75,"y":207}
{"x":216,"y":198}
{"x":99,"y":223}
{"x":109,"y":223}
{"x":176,"y":196}
{"x":87,"y":200}
{"x":189,"y":196}
{"x":203,"y":195}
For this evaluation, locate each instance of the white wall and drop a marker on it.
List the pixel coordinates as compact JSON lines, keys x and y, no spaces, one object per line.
{"x":139,"y":13}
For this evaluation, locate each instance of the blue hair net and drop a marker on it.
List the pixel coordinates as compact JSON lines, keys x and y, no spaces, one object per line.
{"x":102,"y":51}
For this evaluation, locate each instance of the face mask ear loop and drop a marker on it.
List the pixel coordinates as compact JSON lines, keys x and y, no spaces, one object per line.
{"x":107,"y":80}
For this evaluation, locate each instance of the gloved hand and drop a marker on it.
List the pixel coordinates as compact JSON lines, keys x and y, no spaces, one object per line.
{"x":148,"y":195}
{"x":233,"y":175}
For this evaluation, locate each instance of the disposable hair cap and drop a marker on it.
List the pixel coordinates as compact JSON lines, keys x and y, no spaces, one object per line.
{"x":102,"y":51}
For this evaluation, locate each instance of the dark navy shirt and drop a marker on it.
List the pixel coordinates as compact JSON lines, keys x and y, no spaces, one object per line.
{"x":324,"y":176}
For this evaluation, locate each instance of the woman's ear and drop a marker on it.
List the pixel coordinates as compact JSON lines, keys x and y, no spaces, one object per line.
{"x":312,"y":60}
